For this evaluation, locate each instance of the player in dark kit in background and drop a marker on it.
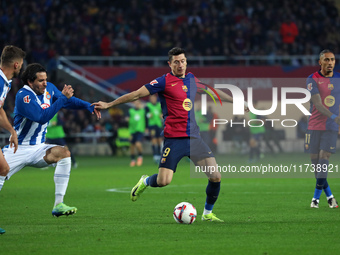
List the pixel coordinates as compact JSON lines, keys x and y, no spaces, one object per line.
{"x":177,"y":91}
{"x":323,"y":124}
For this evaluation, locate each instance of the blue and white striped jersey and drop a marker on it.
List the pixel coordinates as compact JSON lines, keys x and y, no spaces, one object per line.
{"x":33,"y":112}
{"x":5,"y":87}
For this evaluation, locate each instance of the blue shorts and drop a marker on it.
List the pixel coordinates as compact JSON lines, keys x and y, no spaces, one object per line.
{"x":155,"y":131}
{"x":316,"y":140}
{"x":58,"y":141}
{"x":137,"y":137}
{"x":175,"y":149}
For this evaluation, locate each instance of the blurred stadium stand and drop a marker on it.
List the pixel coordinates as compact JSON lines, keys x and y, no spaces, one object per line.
{"x":125,"y":39}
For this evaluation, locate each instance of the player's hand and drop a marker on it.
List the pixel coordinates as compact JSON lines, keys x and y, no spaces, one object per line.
{"x":100,"y":105}
{"x":68,"y":91}
{"x":98,"y":113}
{"x":337,"y":120}
{"x":13,"y":141}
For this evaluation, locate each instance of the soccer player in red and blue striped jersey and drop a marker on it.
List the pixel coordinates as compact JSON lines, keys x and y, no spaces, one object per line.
{"x":177,"y":91}
{"x":323,"y":124}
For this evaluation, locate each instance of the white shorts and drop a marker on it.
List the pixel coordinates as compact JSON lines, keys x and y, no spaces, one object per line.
{"x":26,"y":155}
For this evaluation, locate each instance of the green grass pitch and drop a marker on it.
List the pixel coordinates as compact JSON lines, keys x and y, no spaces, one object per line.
{"x":262,"y":215}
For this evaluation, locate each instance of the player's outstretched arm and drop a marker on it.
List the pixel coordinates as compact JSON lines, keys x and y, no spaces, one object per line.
{"x":4,"y":123}
{"x":133,"y":96}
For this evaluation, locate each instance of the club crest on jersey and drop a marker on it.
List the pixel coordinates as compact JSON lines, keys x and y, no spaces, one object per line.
{"x":310,"y":86}
{"x":27,"y":99}
{"x":187,"y":104}
{"x":153,"y":82}
{"x":48,"y":95}
{"x":329,"y":101}
{"x":185,"y":88}
{"x":44,"y":105}
{"x":330,"y":86}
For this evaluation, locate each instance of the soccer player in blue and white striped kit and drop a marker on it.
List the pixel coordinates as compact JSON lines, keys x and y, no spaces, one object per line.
{"x":12,"y":59}
{"x":35,"y":105}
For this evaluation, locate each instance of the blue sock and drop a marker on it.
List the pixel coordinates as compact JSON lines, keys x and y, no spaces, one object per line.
{"x":317,"y":193}
{"x":133,"y":157}
{"x":327,"y":190}
{"x":152,"y":181}
{"x":212,"y":191}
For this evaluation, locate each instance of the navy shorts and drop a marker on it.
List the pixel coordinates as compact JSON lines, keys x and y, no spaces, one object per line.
{"x":316,"y":140}
{"x":58,"y":141}
{"x":175,"y":149}
{"x":258,"y":137}
{"x":155,"y":131}
{"x":137,"y":137}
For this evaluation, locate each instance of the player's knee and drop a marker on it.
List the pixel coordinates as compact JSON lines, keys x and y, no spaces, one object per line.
{"x":4,"y":170}
{"x":215,"y":179}
{"x":163,"y":182}
{"x":64,"y":153}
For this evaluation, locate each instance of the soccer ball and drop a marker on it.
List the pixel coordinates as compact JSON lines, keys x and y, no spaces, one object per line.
{"x":185,"y":213}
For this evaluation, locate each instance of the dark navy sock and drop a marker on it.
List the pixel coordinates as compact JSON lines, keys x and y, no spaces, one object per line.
{"x":152,"y":181}
{"x":251,"y":153}
{"x":132,"y":156}
{"x":212,"y":191}
{"x":154,"y":150}
{"x":318,"y":188}
{"x":158,"y":150}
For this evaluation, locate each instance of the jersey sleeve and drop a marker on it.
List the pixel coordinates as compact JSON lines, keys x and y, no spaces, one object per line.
{"x":200,"y":84}
{"x":28,"y":107}
{"x":312,"y":86}
{"x":73,"y":103}
{"x":157,"y":85}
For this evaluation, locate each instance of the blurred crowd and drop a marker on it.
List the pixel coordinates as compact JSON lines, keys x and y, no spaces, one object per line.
{"x":48,"y":28}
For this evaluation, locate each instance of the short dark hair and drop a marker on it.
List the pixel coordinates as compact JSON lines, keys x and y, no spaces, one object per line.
{"x":325,"y":51}
{"x":11,"y":53}
{"x":175,"y":52}
{"x":30,"y":73}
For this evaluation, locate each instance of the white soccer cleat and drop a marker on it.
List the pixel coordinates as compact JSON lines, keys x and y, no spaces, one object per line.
{"x":332,"y":203}
{"x":314,"y":204}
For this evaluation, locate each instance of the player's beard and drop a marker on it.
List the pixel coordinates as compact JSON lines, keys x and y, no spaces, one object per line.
{"x":16,"y":74}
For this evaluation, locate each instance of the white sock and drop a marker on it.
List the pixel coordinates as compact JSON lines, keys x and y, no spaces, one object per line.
{"x":205,"y":212}
{"x":61,"y":178}
{"x":2,"y":181}
{"x":331,"y":196}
